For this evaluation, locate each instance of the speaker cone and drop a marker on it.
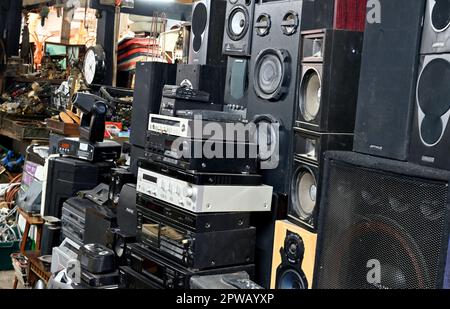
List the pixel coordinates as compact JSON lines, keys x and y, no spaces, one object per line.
{"x":271,"y":74}
{"x":289,"y":24}
{"x":238,"y":23}
{"x":267,"y":140}
{"x":292,"y":279}
{"x":263,"y":24}
{"x":199,"y":22}
{"x":433,"y":96}
{"x":304,"y":194}
{"x":440,"y":15}
{"x":311,"y":91}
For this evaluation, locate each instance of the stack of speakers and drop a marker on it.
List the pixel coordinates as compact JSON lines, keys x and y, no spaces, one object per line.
{"x":384,"y":219}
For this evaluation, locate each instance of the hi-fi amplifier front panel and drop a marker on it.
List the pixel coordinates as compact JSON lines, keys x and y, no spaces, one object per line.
{"x":202,"y":199}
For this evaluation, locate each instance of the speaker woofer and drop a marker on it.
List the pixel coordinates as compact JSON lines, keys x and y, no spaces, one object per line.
{"x":271,"y":73}
{"x":238,"y":23}
{"x":304,"y":194}
{"x":310,"y":96}
{"x":292,"y":279}
{"x":440,"y":15}
{"x":199,"y":23}
{"x":267,"y":139}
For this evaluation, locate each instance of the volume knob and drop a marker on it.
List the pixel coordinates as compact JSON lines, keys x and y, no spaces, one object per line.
{"x":189,"y":192}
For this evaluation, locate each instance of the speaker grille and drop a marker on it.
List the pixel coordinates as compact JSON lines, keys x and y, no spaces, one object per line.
{"x":371,"y":216}
{"x":440,"y":15}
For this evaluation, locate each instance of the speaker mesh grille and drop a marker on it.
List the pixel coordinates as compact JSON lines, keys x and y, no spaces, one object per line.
{"x":372,"y":216}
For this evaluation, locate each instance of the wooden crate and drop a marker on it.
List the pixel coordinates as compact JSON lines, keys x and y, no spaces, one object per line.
{"x":24,"y":129}
{"x":66,"y":129}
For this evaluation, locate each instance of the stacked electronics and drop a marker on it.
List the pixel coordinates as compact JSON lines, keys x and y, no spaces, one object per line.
{"x":384,"y":219}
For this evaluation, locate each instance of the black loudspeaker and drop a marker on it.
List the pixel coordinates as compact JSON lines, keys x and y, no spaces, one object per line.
{"x":126,"y":210}
{"x":309,"y":150}
{"x":388,"y":80}
{"x":150,"y":80}
{"x":238,"y":32}
{"x":208,"y":18}
{"x":236,"y":83}
{"x":430,"y":140}
{"x":51,"y":237}
{"x":67,"y":176}
{"x":208,"y":78}
{"x":328,"y":88}
{"x":273,"y":72}
{"x":334,"y":14}
{"x":383,"y":224}
{"x":99,"y":220}
{"x":436,"y":27}
{"x":118,"y":244}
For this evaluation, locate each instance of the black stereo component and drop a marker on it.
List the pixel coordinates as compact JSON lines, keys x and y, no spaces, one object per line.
{"x":171,"y":106}
{"x":208,"y":18}
{"x":237,"y":39}
{"x":436,"y":28}
{"x":216,"y":116}
{"x":192,"y":154}
{"x":384,"y":224}
{"x":202,"y":179}
{"x":236,"y":82}
{"x":273,"y":76}
{"x":430,"y":137}
{"x":51,"y":237}
{"x":99,"y":219}
{"x":388,"y":80}
{"x":193,"y":249}
{"x":73,"y":219}
{"x":130,"y":279}
{"x":164,"y":273}
{"x":126,"y":210}
{"x":194,"y":222}
{"x":119,"y":177}
{"x":100,"y":151}
{"x":150,"y":80}
{"x":96,"y":259}
{"x":100,"y":280}
{"x":328,"y":88}
{"x":205,"y":78}
{"x":240,"y":281}
{"x":311,"y":146}
{"x":99,"y":195}
{"x":67,"y":176}
{"x":334,"y":14}
{"x":185,"y":93}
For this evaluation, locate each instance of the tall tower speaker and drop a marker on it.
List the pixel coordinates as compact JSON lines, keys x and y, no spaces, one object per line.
{"x":273,"y":77}
{"x":388,"y":80}
{"x":384,"y":224}
{"x":208,"y":19}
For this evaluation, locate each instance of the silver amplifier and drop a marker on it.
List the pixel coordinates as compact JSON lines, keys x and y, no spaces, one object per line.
{"x":201,"y":129}
{"x":204,"y":198}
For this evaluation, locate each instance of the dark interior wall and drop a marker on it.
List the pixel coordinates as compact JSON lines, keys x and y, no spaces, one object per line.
{"x":10,"y":24}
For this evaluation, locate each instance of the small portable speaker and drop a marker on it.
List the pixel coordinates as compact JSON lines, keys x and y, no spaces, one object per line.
{"x":208,"y":17}
{"x":430,"y":138}
{"x":384,"y":224}
{"x":51,"y":237}
{"x":328,"y":88}
{"x":150,"y":80}
{"x":388,"y":77}
{"x":436,"y":27}
{"x":293,"y":257}
{"x":238,"y":32}
{"x":208,"y":78}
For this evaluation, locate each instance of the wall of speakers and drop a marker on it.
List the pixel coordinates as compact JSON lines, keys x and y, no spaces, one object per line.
{"x":273,"y":72}
{"x":388,"y":80}
{"x":309,"y":150}
{"x":207,"y":23}
{"x":436,"y":28}
{"x":328,"y":88}
{"x":238,"y":32}
{"x":293,"y":257}
{"x":384,"y":224}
